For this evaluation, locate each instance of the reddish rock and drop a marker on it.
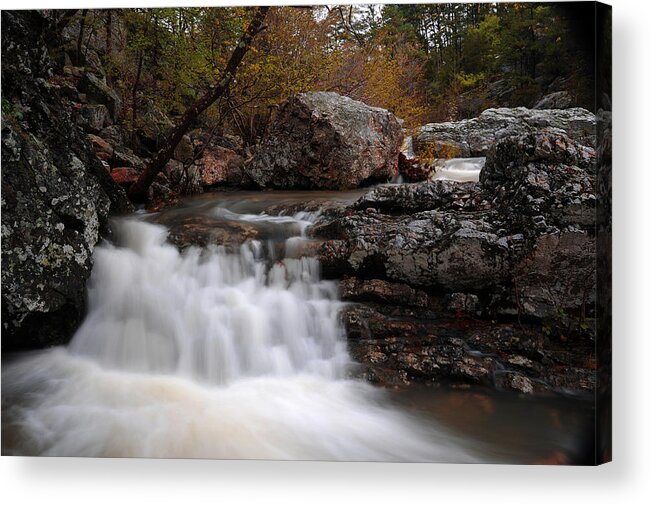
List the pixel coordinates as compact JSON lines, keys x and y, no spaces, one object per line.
{"x":216,"y":164}
{"x":125,"y":175}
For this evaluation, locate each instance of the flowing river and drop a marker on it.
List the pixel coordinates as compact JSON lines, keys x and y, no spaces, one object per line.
{"x":240,"y":353}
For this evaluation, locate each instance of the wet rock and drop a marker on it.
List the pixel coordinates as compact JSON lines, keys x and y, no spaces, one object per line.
{"x":476,"y":136}
{"x":202,"y":231}
{"x":56,"y":195}
{"x":322,"y":140}
{"x":364,"y":322}
{"x":376,"y":290}
{"x":395,"y":351}
{"x":417,"y":197}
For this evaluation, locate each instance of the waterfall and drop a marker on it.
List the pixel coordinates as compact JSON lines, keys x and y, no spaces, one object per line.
{"x":459,"y":169}
{"x":210,"y":354}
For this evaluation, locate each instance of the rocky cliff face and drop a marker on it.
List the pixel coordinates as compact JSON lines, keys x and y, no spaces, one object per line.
{"x":327,"y":141}
{"x":56,"y":194}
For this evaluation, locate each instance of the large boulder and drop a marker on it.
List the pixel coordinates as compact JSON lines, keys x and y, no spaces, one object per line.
{"x":476,"y":136}
{"x":56,"y":195}
{"x":323,"y":140}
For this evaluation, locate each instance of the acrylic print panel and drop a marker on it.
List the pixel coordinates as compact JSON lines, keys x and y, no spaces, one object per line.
{"x":350,"y":233}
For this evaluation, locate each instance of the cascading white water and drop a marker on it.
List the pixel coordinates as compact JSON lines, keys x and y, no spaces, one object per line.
{"x":208,"y":316}
{"x":459,"y":169}
{"x":207,"y":354}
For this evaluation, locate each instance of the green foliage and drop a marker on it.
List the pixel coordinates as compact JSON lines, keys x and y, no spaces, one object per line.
{"x":423,"y":61}
{"x":10,"y":112}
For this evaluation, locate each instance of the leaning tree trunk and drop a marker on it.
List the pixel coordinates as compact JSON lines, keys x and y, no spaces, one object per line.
{"x":138,"y":190}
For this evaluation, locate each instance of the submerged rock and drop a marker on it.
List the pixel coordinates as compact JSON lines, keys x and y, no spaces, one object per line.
{"x":203,"y":231}
{"x":322,"y":140}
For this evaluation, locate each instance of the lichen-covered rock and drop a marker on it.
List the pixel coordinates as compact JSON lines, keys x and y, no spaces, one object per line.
{"x":543,"y":175}
{"x":92,"y":118}
{"x":56,"y":195}
{"x":322,"y":140}
{"x":476,"y":136}
{"x":521,"y":240}
{"x":184,"y":178}
{"x":418,"y":197}
{"x":427,"y":249}
{"x":99,"y":92}
{"x":556,"y":100}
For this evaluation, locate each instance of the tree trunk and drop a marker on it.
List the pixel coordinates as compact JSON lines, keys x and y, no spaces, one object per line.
{"x":109,"y":31}
{"x":134,"y":99}
{"x":109,"y":46}
{"x":82,"y":25}
{"x":67,"y":16}
{"x":138,"y":191}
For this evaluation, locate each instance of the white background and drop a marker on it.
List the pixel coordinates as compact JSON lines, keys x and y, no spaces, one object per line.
{"x":627,"y":480}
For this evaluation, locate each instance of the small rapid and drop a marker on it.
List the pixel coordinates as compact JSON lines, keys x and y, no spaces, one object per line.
{"x":459,"y":169}
{"x":208,"y":353}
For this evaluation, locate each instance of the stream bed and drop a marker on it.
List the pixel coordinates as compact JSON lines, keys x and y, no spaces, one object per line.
{"x":237,"y":353}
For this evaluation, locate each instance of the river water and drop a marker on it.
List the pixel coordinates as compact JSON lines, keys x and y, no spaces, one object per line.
{"x":216,"y":353}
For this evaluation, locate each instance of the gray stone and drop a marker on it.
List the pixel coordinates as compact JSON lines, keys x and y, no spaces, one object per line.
{"x":323,"y":140}
{"x":557,"y":100}
{"x":476,"y":136}
{"x":56,"y":197}
{"x":98,"y":92}
{"x":92,"y":118}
